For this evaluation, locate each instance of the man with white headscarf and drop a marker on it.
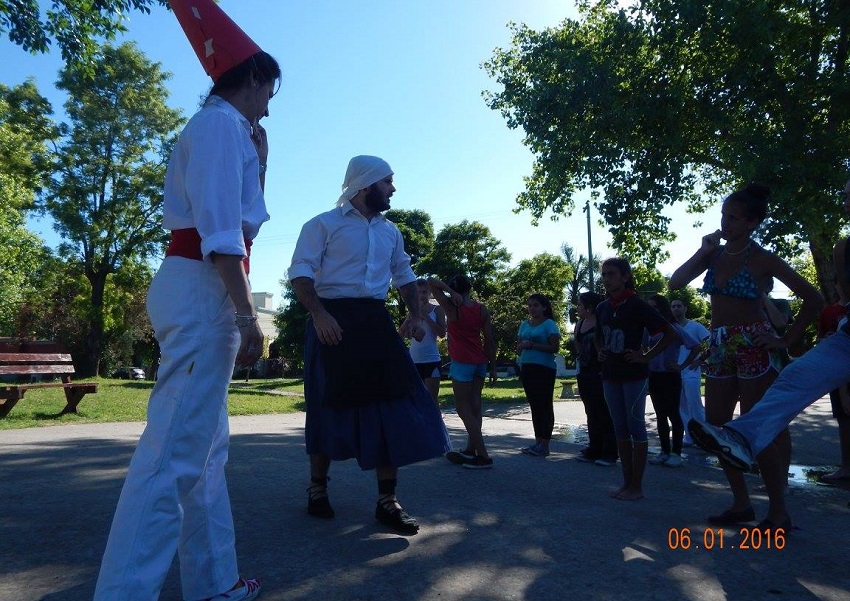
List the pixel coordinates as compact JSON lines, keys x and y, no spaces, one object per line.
{"x":365,"y":399}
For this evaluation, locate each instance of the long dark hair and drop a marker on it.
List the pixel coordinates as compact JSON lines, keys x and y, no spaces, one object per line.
{"x":543,"y":300}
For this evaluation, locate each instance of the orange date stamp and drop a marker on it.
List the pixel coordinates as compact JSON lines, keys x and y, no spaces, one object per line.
{"x":714,"y":539}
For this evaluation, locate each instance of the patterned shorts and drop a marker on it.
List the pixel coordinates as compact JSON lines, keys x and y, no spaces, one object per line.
{"x":733,"y":352}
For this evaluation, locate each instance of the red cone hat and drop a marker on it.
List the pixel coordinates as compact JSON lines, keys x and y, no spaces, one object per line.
{"x":219,"y":42}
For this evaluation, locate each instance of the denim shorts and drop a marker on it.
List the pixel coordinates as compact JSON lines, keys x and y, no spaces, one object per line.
{"x":466,"y":372}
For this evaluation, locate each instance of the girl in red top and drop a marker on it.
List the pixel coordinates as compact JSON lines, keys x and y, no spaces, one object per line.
{"x":840,"y":397}
{"x":471,"y":346}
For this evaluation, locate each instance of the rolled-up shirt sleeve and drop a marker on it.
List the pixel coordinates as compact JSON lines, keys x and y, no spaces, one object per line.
{"x":309,"y":250}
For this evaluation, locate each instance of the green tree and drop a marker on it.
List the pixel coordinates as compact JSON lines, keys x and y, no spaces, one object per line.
{"x":698,"y":308}
{"x":290,"y":321}
{"x":669,"y":102}
{"x":128,"y":334}
{"x":417,"y":229}
{"x":106,"y":193}
{"x":469,"y":248}
{"x":75,"y":25}
{"x":25,"y":128}
{"x":545,"y":274}
{"x":582,"y":272}
{"x":58,"y":308}
{"x":22,"y":254}
{"x":648,"y":280}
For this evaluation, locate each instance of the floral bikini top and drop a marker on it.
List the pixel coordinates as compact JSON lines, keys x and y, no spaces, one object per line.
{"x":740,"y":285}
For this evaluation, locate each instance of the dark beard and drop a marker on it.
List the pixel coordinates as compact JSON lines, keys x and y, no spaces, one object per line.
{"x":375,"y":201}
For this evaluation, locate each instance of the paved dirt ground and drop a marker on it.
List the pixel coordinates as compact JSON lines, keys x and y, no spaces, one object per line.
{"x":530,"y":529}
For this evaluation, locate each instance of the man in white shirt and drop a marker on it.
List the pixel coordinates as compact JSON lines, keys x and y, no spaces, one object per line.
{"x":690,"y":406}
{"x":365,"y":399}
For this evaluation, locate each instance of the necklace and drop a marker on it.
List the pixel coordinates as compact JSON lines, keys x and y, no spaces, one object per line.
{"x":737,"y":252}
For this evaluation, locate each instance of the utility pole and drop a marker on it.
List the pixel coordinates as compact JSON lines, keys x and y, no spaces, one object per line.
{"x":590,"y":286}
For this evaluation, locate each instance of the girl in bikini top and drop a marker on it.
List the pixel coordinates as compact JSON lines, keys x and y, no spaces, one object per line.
{"x":740,"y":285}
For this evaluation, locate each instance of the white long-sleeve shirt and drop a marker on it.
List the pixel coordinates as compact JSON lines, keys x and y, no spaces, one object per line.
{"x":213,"y":181}
{"x":349,"y":256}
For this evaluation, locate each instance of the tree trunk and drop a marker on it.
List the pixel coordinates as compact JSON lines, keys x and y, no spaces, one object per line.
{"x":822,"y":258}
{"x":90,"y":366}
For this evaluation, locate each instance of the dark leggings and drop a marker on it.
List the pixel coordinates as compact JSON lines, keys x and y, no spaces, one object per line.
{"x":538,"y":381}
{"x":665,"y":390}
{"x":602,"y":443}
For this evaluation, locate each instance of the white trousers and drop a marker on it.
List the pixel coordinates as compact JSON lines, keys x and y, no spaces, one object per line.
{"x":690,"y":403}
{"x":175,"y":496}
{"x":801,"y":383}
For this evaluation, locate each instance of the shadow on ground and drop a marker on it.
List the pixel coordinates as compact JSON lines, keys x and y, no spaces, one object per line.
{"x":531,"y":528}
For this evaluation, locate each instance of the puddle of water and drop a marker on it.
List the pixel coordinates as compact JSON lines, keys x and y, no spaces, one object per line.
{"x":570,"y":433}
{"x":799,"y":476}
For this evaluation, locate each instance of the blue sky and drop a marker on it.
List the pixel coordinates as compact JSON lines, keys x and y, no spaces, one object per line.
{"x":401,"y":80}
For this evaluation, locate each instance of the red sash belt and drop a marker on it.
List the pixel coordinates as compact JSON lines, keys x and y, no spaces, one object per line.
{"x":187,"y":243}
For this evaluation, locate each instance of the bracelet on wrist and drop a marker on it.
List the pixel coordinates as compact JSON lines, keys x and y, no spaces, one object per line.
{"x":243,"y":321}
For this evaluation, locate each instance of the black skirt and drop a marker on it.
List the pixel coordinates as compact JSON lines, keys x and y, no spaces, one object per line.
{"x":370,"y":364}
{"x":351,"y":409}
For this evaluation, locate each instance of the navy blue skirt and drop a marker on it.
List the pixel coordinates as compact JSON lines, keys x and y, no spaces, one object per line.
{"x":386,"y":432}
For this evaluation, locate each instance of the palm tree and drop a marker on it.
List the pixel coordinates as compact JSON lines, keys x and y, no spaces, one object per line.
{"x":578,"y":283}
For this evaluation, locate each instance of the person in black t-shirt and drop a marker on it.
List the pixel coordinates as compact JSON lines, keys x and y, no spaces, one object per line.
{"x":621,"y":321}
{"x":602,"y":444}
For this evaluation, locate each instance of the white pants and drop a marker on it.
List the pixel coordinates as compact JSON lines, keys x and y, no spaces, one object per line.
{"x":175,"y":496}
{"x":801,"y":383}
{"x":690,"y":403}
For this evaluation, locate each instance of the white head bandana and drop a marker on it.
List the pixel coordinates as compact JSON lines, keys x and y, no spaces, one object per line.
{"x":362,"y":172}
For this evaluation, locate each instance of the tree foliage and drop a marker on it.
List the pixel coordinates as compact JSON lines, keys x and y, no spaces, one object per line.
{"x":75,"y":25}
{"x":290,"y":321}
{"x":469,"y":248}
{"x":417,"y":229}
{"x":582,"y":273}
{"x":106,"y":193}
{"x":22,"y":255}
{"x":25,"y":128}
{"x":128,"y":335}
{"x":698,"y":307}
{"x":681,"y":101}
{"x":544,"y":274}
{"x":56,"y":307}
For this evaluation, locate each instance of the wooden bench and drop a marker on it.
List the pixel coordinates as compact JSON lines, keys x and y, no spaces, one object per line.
{"x":34,"y":360}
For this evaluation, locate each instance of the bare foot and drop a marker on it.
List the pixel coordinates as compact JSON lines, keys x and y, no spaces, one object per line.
{"x":614,"y":494}
{"x":630,"y":495}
